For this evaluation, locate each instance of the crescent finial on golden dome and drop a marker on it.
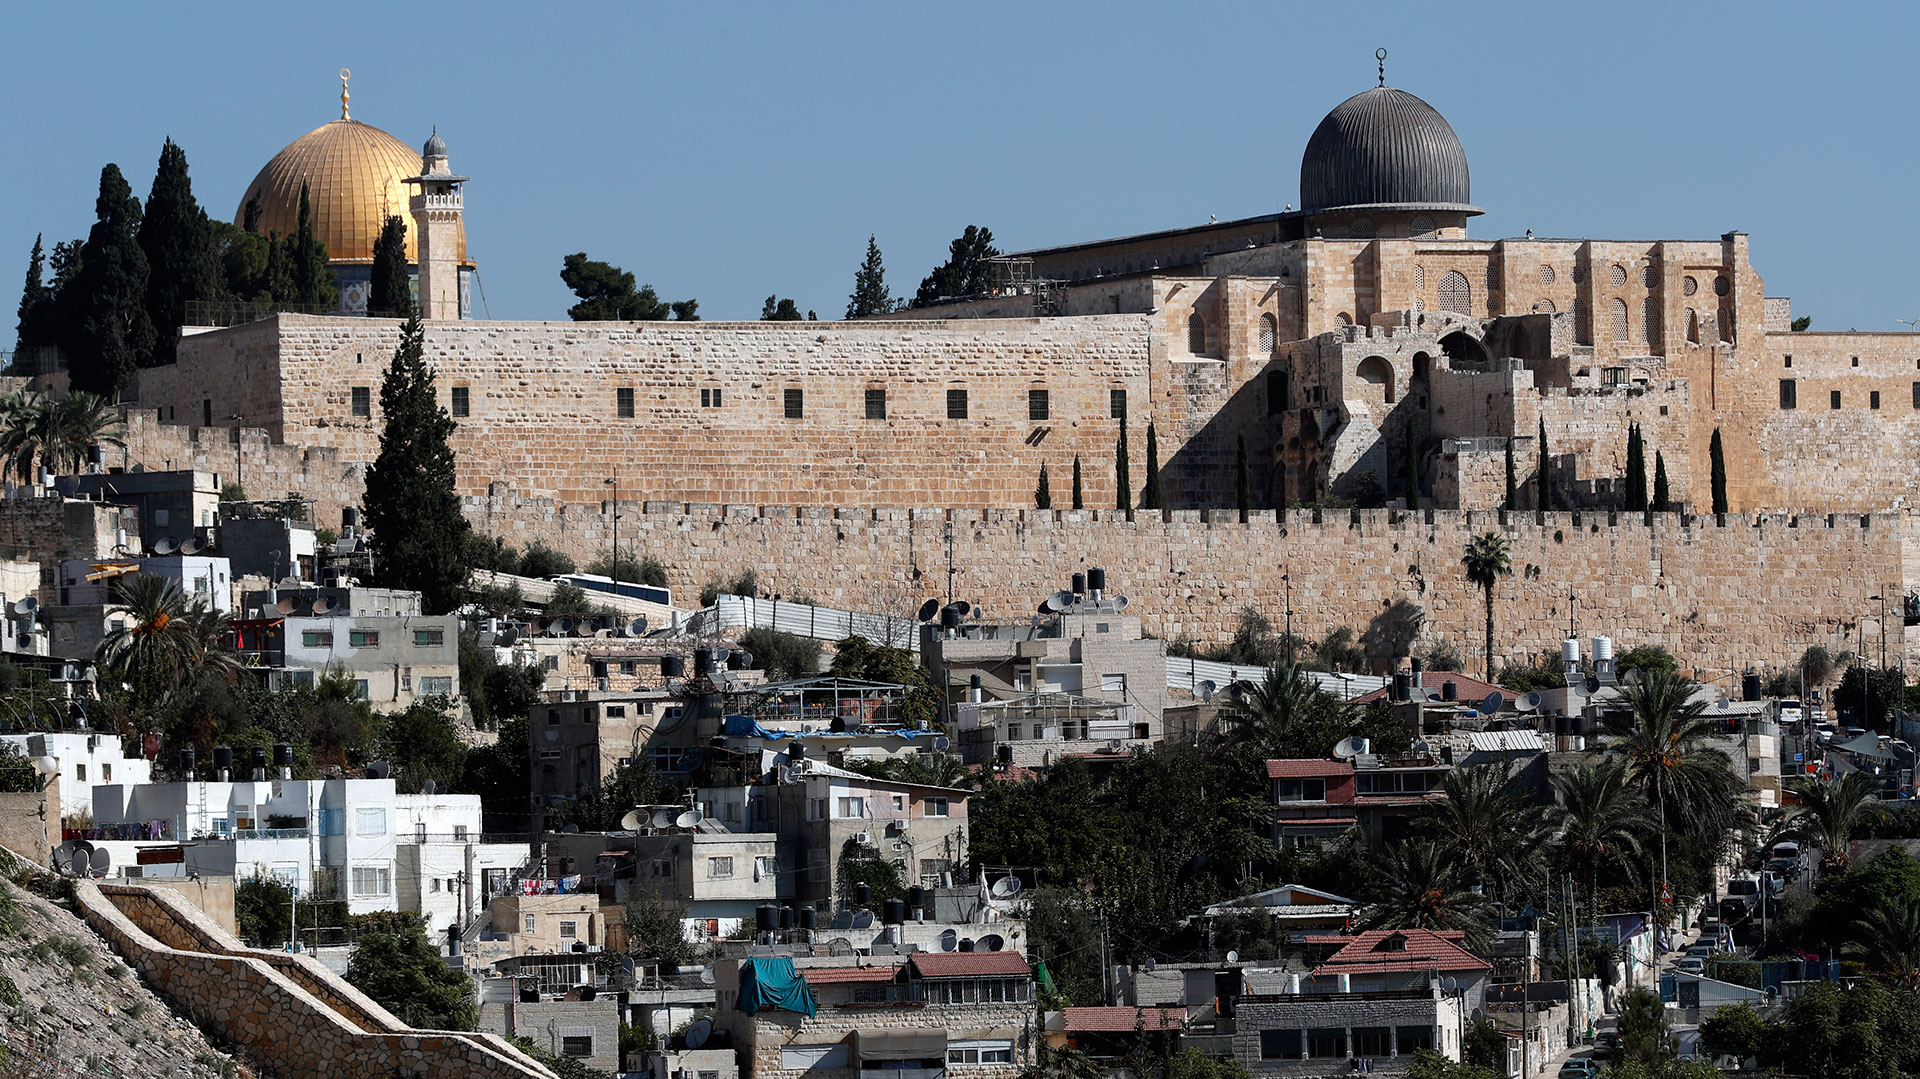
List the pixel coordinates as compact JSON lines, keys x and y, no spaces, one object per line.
{"x":344,"y":96}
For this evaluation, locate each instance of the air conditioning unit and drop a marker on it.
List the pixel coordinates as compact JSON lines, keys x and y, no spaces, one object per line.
{"x":898,"y":845}
{"x":863,"y":838}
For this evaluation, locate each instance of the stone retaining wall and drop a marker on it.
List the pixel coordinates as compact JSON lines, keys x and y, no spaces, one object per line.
{"x":286,"y":1012}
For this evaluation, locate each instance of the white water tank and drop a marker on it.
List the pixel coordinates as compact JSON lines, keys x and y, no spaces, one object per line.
{"x":1602,"y":649}
{"x":1570,"y":651}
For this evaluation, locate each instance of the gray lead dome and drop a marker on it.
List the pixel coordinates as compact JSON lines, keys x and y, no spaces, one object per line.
{"x":1384,"y":147}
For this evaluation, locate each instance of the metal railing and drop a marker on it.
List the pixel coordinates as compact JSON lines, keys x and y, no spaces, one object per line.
{"x":238,"y":312}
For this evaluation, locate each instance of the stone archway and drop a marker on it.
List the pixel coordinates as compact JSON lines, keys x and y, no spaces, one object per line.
{"x":1463,"y":348}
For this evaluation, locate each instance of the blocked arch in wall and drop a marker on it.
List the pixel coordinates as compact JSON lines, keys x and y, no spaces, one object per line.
{"x":1197,"y":334}
{"x":1376,"y":371}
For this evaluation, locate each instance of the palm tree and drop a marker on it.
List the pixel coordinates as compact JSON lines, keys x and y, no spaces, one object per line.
{"x":1486,"y":827}
{"x":1421,"y":889}
{"x":1887,"y":938}
{"x":79,"y":423}
{"x":164,"y":642}
{"x":1286,"y":715}
{"x":1599,"y":817}
{"x":26,"y":427}
{"x":1486,"y":561}
{"x":1831,"y":808}
{"x":1661,"y":743}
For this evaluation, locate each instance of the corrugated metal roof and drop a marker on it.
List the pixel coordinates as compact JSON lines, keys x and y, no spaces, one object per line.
{"x":1505,"y":742}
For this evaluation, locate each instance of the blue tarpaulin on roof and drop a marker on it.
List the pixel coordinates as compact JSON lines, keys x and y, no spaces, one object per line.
{"x":773,"y":983}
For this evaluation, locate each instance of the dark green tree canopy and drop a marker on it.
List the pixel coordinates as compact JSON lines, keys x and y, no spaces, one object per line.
{"x":391,"y":291}
{"x":177,"y":237}
{"x":607,"y":295}
{"x":110,"y":333}
{"x":870,"y":295}
{"x":1151,"y":497}
{"x":405,"y":974}
{"x":968,"y":270}
{"x":780,"y":310}
{"x":37,"y":326}
{"x":313,"y":279}
{"x":419,"y":534}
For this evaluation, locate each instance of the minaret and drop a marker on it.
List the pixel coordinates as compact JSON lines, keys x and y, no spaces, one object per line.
{"x":436,"y":228}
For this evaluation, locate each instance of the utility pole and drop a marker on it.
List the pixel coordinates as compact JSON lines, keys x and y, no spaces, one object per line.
{"x":1287,"y":580}
{"x":1106,"y":971}
{"x":614,"y":564}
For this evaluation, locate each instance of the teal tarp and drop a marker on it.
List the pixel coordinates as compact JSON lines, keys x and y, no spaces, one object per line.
{"x":773,"y":983}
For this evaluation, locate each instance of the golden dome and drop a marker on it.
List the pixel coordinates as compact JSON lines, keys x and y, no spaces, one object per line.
{"x":353,"y":172}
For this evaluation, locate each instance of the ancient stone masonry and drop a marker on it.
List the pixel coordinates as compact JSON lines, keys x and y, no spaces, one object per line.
{"x":1721,"y":592}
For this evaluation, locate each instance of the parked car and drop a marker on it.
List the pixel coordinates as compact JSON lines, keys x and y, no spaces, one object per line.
{"x":1579,"y":1068}
{"x":1786,"y":848}
{"x":1691,"y":964}
{"x":1703,"y":949}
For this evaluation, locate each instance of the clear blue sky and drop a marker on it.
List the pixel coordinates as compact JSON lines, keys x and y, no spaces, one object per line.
{"x":725,"y":151}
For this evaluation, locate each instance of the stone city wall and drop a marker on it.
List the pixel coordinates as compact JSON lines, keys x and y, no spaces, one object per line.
{"x":1746,"y":591}
{"x":279,"y":1008}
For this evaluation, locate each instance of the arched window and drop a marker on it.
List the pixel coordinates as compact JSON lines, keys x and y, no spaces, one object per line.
{"x":1420,"y":277}
{"x":1420,"y":226}
{"x":1650,"y":276}
{"x":1546,"y":276}
{"x":1196,"y":334}
{"x":1693,"y":326}
{"x":1377,"y":371}
{"x":1361,"y":229}
{"x":1269,"y":335}
{"x":1619,"y":319}
{"x":1455,"y":294}
{"x":1545,"y":307}
{"x":1342,"y":319}
{"x":1650,"y":320}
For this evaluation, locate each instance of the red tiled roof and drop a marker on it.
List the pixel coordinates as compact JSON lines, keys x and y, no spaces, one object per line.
{"x":832,"y":975}
{"x":1117,"y":1019}
{"x":1425,"y":950}
{"x":1289,"y":822}
{"x":968,"y":964}
{"x":1302,"y":769}
{"x":1469,"y":689}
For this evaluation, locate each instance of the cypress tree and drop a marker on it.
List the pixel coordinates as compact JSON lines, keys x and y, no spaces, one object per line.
{"x":1150,"y":497}
{"x":1662,"y":502}
{"x":419,"y":534}
{"x":390,"y":292}
{"x":36,"y":304}
{"x":1719,"y":478}
{"x":1636,"y":469}
{"x":1077,"y":502}
{"x":1242,"y":483}
{"x":1122,"y":473}
{"x":1546,"y":474}
{"x":276,"y":284}
{"x":1512,"y":486}
{"x":1413,"y":467}
{"x":177,"y":238}
{"x":111,"y":333}
{"x":870,"y":295}
{"x":1043,"y":494}
{"x":312,"y":277}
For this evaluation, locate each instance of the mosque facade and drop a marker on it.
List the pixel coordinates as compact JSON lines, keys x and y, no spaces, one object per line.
{"x":1362,"y":345}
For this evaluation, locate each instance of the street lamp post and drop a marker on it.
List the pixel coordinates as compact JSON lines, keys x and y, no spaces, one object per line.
{"x":613,"y":565}
{"x":1287,"y":579}
{"x":1883,"y":629}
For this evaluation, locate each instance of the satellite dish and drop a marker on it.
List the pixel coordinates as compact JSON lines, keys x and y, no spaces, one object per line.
{"x":560,"y":627}
{"x":949,"y":940}
{"x":193,"y":546}
{"x":663,"y":818}
{"x":1146,"y":964}
{"x":100,"y":862}
{"x":1206,"y":689}
{"x":961,"y":607}
{"x":1529,"y":702}
{"x":633,"y":822}
{"x":840,"y":947}
{"x":706,"y":975}
{"x":1233,"y":957}
{"x":63,"y":857}
{"x":288,"y":605}
{"x":743,"y":658}
{"x":1432,"y":696}
{"x":1423,"y":748}
{"x":698,"y":1033}
{"x":25,"y":605}
{"x":1005,"y":888}
{"x":324,"y":605}
{"x":689,"y":819}
{"x":993,"y":942}
{"x":165,"y":546}
{"x":1593,"y":685}
{"x":637,"y":627}
{"x":1493,"y":703}
{"x":928,"y":610}
{"x":429,"y":787}
{"x":378,"y":769}
{"x":942,"y":744}
{"x":1057,"y":602}
{"x":1120,"y":603}
{"x":863,"y":919}
{"x":1348,"y":749}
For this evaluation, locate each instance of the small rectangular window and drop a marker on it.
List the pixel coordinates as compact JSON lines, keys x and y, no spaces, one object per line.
{"x":316,"y":638}
{"x":1117,"y":404}
{"x":710,"y":397}
{"x":795,"y":403}
{"x":935,"y":807}
{"x":364,"y":638}
{"x":362,"y":401}
{"x":876,"y":404}
{"x":623,"y":402}
{"x":956,"y":404}
{"x":529,"y":924}
{"x":719,"y":868}
{"x":360,"y":689}
{"x":1916,"y":395}
{"x":1037,"y":405}
{"x":429,"y":638}
{"x":1873,"y":399}
{"x":1789,"y":361}
{"x":80,"y":772}
{"x":572,"y":1046}
{"x":569,"y":930}
{"x":1790,"y":393}
{"x":459,"y":408}
{"x":1833,"y":399}
{"x":206,"y":412}
{"x":436,"y":685}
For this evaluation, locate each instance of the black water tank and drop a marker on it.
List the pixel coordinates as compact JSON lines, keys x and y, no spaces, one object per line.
{"x":894,"y":911}
{"x":283,"y":754}
{"x":187,"y":760}
{"x":1749,"y":686}
{"x":862,"y":894}
{"x":966,"y":945}
{"x":766,"y":917}
{"x":949,"y":617}
{"x":258,"y":756}
{"x":222,"y":757}
{"x":1449,"y":690}
{"x":1096,"y":580}
{"x":349,"y":516}
{"x":916,"y":899}
{"x":702,"y":662}
{"x":1401,"y":684}
{"x":1079,"y":584}
{"x":808,"y":918}
{"x":786,"y":917}
{"x":671,"y":667}
{"x":974,"y":682}
{"x":797,"y":751}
